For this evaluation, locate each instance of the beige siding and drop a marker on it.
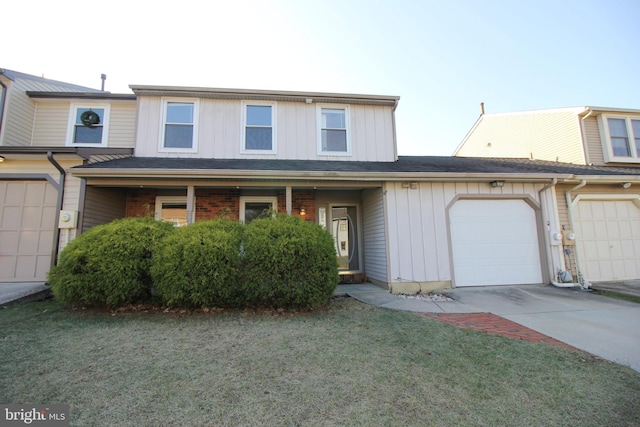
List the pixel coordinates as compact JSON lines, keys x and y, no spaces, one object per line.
{"x":52,"y":122}
{"x":220,"y":131}
{"x":419,"y":248}
{"x":50,"y":128}
{"x":552,"y":135}
{"x":19,"y":112}
{"x":102,"y":205}
{"x":375,"y":249}
{"x":595,"y":154}
{"x":122,"y":125}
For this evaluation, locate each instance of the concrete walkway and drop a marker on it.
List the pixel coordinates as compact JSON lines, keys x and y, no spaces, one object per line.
{"x":597,"y":324}
{"x":17,"y":292}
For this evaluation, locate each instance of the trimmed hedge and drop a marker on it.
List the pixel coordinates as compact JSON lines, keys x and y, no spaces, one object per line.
{"x":278,"y":262}
{"x":198,"y":265}
{"x":288,"y":263}
{"x":109,"y":265}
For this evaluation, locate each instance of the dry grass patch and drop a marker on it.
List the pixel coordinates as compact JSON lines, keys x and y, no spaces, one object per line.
{"x":350,"y":364}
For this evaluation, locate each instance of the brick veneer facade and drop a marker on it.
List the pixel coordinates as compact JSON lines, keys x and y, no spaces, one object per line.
{"x":214,"y":202}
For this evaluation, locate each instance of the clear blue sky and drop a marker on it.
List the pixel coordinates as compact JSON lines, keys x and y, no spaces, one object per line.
{"x":441,"y":57}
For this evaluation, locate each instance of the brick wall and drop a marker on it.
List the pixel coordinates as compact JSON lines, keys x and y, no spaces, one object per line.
{"x":141,"y":202}
{"x":211,"y":203}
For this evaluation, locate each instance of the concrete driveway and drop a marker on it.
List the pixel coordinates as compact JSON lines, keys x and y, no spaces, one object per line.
{"x":603,"y":326}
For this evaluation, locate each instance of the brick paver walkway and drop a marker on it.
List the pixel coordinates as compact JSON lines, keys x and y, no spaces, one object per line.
{"x":493,"y":324}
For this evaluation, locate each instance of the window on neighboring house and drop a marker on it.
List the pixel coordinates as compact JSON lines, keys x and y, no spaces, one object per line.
{"x":258,"y":128}
{"x":334,"y":138}
{"x":88,"y":125}
{"x":624,"y":137}
{"x":179,"y":126}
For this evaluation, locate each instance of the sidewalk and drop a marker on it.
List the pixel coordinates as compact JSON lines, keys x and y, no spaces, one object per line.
{"x":24,"y":291}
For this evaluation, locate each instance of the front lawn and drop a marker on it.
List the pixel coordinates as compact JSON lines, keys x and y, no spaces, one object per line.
{"x":350,"y":364}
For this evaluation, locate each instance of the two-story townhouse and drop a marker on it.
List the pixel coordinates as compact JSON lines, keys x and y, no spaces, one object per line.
{"x":600,"y":213}
{"x":41,"y":138}
{"x":408,"y":223}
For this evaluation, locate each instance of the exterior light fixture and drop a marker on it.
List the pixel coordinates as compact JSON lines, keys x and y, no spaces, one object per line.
{"x":497,"y":183}
{"x":626,"y":185}
{"x":1,"y":159}
{"x":303,"y":211}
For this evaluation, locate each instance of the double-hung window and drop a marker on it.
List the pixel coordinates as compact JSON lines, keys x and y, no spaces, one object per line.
{"x":258,"y":128}
{"x":622,"y":136}
{"x":179,"y":126}
{"x":88,"y":125}
{"x":333,"y":126}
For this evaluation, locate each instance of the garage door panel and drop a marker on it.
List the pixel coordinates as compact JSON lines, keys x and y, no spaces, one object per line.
{"x":494,"y":242}
{"x":27,"y":224}
{"x":612,"y":228}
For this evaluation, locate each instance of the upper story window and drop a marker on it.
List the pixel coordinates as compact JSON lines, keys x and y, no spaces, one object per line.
{"x":259,"y":128}
{"x":333,"y":129}
{"x":622,"y":135}
{"x":88,"y":125}
{"x":179,"y":126}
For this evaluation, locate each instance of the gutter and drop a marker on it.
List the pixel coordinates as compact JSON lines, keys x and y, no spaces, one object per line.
{"x":56,"y":231}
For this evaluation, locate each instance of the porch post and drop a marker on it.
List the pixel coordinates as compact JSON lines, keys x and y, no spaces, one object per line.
{"x":288,"y":197}
{"x":191,"y":196}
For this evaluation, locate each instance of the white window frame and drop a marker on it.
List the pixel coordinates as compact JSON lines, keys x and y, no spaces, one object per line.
{"x":163,"y":118}
{"x":256,"y":199}
{"x":347,"y":122}
{"x":169,"y":199}
{"x":605,"y":137}
{"x":243,"y":134}
{"x":71,"y":126}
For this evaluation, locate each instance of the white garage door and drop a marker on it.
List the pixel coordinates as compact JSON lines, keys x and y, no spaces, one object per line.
{"x":494,"y":242}
{"x":608,"y":239}
{"x":27,"y":217}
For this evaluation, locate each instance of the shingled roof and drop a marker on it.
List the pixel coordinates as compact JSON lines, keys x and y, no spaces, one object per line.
{"x":405,"y":165}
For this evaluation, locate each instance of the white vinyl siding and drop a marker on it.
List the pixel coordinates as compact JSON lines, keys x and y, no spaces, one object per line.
{"x":419,"y":249}
{"x":19,"y":111}
{"x":544,"y":135}
{"x":102,"y":205}
{"x":220,"y":131}
{"x":375,"y":249}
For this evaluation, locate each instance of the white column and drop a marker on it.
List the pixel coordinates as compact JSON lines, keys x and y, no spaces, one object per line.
{"x":191,"y":204}
{"x":289,"y":202}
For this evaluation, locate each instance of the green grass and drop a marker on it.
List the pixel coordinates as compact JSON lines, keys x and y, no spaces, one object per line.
{"x":350,"y":364}
{"x":623,"y":297}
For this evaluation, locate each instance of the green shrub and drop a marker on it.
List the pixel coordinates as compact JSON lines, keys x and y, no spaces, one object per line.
{"x":197,"y":265}
{"x":109,"y":264}
{"x":288,"y":263}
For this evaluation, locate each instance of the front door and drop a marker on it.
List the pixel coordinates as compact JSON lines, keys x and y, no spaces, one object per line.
{"x":344,"y":229}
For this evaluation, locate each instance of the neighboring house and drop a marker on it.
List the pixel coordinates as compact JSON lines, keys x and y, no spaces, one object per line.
{"x":407,"y":223}
{"x":602,"y":213}
{"x":40,"y":140}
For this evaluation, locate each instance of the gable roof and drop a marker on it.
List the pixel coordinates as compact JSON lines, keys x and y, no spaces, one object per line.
{"x":46,"y":85}
{"x":406,"y":168}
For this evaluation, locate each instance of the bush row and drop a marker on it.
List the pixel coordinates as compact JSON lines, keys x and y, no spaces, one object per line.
{"x":277,"y":262}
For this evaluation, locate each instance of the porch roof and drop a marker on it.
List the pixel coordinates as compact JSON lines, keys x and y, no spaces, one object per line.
{"x":405,"y":168}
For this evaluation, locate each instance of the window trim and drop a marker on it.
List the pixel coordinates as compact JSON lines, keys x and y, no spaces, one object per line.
{"x":163,"y":119}
{"x":169,"y":199}
{"x":605,"y":138}
{"x":256,"y":199}
{"x":348,"y":127}
{"x":243,"y":134}
{"x":71,"y":125}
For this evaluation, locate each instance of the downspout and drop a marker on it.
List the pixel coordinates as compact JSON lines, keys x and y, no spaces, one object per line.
{"x":583,"y":136}
{"x":393,"y":124}
{"x":583,"y":283}
{"x":3,"y":98}
{"x":545,"y":219}
{"x":56,"y":231}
